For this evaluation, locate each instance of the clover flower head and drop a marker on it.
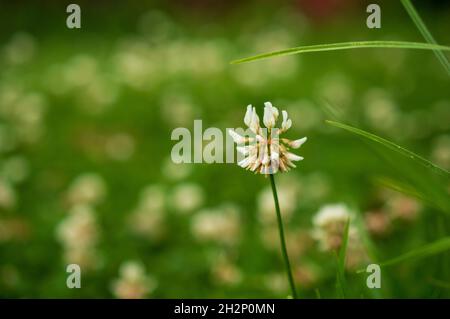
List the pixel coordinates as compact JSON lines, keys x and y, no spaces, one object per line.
{"x":263,"y":150}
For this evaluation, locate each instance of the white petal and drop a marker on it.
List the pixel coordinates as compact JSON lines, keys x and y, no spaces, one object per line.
{"x":298,"y":143}
{"x":248,"y":115}
{"x":244,"y":150}
{"x":270,"y":115}
{"x":285,"y":116}
{"x":238,"y":139}
{"x":254,"y":122}
{"x":293,"y":157}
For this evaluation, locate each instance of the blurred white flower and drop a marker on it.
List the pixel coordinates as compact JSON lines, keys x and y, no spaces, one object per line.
{"x":133,"y":282}
{"x":221,"y":225}
{"x":78,"y":234}
{"x":79,"y":228}
{"x":147,"y":219}
{"x":187,"y":197}
{"x":329,"y":225}
{"x":263,"y":150}
{"x":88,"y":188}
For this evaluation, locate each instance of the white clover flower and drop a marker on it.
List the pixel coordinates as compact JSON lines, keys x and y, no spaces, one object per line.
{"x":133,"y":282}
{"x":263,"y":150}
{"x":88,"y":188}
{"x":79,"y":229}
{"x":329,"y":225}
{"x":220,"y":225}
{"x":187,"y":197}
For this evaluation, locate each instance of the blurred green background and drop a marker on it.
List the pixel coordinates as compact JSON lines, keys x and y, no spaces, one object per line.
{"x":86,"y":175}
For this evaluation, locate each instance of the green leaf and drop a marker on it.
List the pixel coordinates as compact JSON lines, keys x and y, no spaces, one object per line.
{"x":345,"y":46}
{"x":414,"y":175}
{"x":426,"y":34}
{"x":434,"y":248}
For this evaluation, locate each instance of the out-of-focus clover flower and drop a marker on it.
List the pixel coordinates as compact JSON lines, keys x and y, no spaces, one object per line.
{"x":88,"y":188}
{"x":78,"y":234}
{"x":263,"y":150}
{"x":79,"y":229}
{"x":147,"y":219}
{"x":329,"y":226}
{"x":133,"y":282}
{"x":87,"y":258}
{"x":221,"y":225}
{"x":187,"y":197}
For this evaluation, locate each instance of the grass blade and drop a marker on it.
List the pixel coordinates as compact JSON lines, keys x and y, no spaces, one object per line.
{"x":345,"y":46}
{"x":340,"y":276}
{"x":409,"y":173}
{"x":392,"y":146}
{"x":426,"y":34}
{"x":434,"y":248}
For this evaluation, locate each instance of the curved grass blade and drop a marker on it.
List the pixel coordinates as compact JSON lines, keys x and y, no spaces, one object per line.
{"x":397,"y":148}
{"x":399,"y":187}
{"x":345,"y":46}
{"x":434,"y":248}
{"x":426,"y":34}
{"x":412,"y":174}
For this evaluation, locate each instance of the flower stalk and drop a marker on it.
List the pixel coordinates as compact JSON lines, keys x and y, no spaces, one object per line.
{"x":265,"y":152}
{"x":282,"y":239}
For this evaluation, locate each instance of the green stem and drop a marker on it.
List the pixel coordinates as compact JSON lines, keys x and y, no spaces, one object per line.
{"x":282,"y":240}
{"x":425,"y":32}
